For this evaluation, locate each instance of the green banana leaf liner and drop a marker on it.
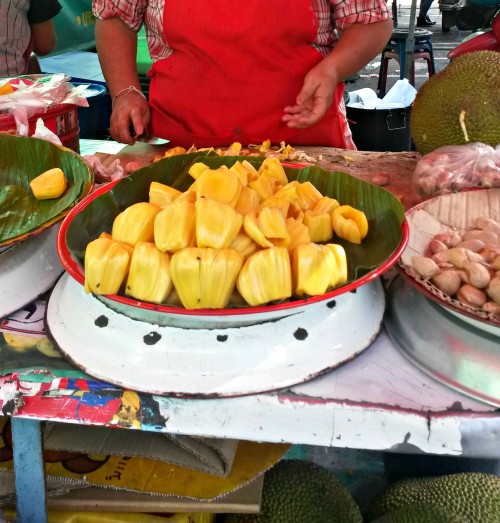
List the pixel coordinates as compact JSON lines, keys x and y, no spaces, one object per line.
{"x":21,"y":160}
{"x":383,"y":210}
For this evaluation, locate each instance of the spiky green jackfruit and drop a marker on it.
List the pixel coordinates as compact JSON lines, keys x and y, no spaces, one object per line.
{"x":473,"y":496}
{"x":460,"y":104}
{"x":297,"y":491}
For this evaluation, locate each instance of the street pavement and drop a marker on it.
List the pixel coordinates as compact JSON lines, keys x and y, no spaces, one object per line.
{"x":442,"y":42}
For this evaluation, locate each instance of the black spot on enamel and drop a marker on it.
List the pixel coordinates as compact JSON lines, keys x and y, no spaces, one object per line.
{"x":152,"y":338}
{"x":101,"y":322}
{"x":221,"y":337}
{"x":353,"y":291}
{"x":301,"y":334}
{"x":331,"y":304}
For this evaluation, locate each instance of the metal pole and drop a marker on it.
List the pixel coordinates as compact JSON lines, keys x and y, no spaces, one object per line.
{"x":410,"y":40}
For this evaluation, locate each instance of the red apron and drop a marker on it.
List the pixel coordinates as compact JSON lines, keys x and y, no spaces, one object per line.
{"x":234,"y":68}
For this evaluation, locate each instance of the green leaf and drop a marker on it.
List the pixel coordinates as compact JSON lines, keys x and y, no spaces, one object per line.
{"x":384,"y":211}
{"x":22,"y":160}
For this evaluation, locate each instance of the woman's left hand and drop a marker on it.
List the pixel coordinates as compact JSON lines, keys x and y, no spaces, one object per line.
{"x":315,"y":97}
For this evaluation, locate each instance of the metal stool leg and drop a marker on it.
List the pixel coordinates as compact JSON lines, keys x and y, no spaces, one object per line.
{"x":29,"y":470}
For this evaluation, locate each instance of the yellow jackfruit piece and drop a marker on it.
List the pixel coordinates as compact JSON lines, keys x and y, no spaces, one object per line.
{"x":277,"y":201}
{"x":266,"y":276}
{"x":326,"y":205}
{"x":106,"y":266}
{"x":175,"y":226}
{"x":204,"y":278}
{"x":340,"y":256}
{"x":6,"y":88}
{"x":217,"y":223}
{"x":244,"y":245}
{"x":241,"y":171}
{"x":220,"y":184}
{"x":248,"y":201}
{"x":319,"y":225}
{"x":149,"y":274}
{"x":161,"y":194}
{"x":197,"y":169}
{"x":264,"y":186}
{"x":135,"y":223}
{"x":272,"y":224}
{"x":350,"y":224}
{"x":252,"y":229}
{"x":49,"y":185}
{"x":308,"y":196}
{"x":233,"y":150}
{"x":299,"y":233}
{"x":313,"y":269}
{"x":274,"y":168}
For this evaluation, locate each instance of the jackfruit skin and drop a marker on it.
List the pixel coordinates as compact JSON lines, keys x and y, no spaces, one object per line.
{"x":469,"y":85}
{"x":297,"y":491}
{"x":473,"y":496}
{"x":420,"y":513}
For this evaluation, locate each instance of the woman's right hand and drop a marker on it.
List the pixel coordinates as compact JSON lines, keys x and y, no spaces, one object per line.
{"x":129,"y":118}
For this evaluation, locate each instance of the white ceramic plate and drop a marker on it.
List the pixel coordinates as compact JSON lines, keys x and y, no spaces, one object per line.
{"x":217,"y":362}
{"x":28,"y":269}
{"x":440,"y":214}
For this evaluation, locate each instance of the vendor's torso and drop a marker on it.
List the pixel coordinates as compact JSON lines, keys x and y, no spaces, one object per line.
{"x":233,"y":69}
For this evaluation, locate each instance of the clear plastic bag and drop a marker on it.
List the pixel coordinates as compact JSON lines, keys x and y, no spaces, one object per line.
{"x":457,"y":167}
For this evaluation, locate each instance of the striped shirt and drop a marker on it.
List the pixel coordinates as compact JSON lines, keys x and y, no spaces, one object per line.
{"x":333,"y":17}
{"x":15,"y":33}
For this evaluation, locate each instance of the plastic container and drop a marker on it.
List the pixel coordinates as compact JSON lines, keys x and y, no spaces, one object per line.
{"x":89,"y":116}
{"x":61,"y":119}
{"x":380,"y":129}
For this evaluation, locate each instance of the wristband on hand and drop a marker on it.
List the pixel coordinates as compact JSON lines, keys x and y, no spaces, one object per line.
{"x":127,"y":90}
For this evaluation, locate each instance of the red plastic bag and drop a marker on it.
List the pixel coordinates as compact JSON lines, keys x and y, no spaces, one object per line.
{"x":456,"y":167}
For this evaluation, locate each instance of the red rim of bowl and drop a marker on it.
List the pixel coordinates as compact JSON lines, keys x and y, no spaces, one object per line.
{"x":75,"y":271}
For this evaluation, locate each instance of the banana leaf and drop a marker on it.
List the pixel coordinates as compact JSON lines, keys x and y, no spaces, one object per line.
{"x":383,"y":210}
{"x":21,"y":160}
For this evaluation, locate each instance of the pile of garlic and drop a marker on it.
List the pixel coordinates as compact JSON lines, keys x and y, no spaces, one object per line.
{"x":465,"y":265}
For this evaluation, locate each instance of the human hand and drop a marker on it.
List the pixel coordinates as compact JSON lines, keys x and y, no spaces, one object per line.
{"x":130,"y":118}
{"x":315,"y":97}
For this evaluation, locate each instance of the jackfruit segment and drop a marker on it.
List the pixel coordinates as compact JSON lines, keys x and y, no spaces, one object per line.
{"x":161,"y":194}
{"x":220,"y":184}
{"x":22,"y":342}
{"x":175,"y":226}
{"x":349,"y":223}
{"x":248,"y":201}
{"x":217,"y":223}
{"x":106,"y":266}
{"x":252,"y":229}
{"x":149,"y":274}
{"x":314,"y":269}
{"x":49,"y":185}
{"x":459,"y":104}
{"x":266,"y":276}
{"x":244,"y":245}
{"x":257,"y":215}
{"x":299,"y":233}
{"x":205,"y":278}
{"x":472,"y":496}
{"x":320,"y":226}
{"x":263,"y":185}
{"x":299,"y":491}
{"x":135,"y":223}
{"x":307,"y":195}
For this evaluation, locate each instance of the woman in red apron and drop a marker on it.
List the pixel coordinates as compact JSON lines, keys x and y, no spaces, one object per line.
{"x":235,"y":73}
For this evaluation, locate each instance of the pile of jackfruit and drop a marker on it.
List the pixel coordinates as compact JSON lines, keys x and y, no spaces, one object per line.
{"x":238,"y":236}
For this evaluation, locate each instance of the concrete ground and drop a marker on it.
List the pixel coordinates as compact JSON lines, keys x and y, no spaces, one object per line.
{"x":442,"y":42}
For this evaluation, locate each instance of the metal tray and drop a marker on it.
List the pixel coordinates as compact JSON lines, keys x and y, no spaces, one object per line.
{"x":454,"y":352}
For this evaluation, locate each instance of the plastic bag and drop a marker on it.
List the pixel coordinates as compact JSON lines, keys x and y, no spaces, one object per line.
{"x":457,"y":167}
{"x":31,"y":97}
